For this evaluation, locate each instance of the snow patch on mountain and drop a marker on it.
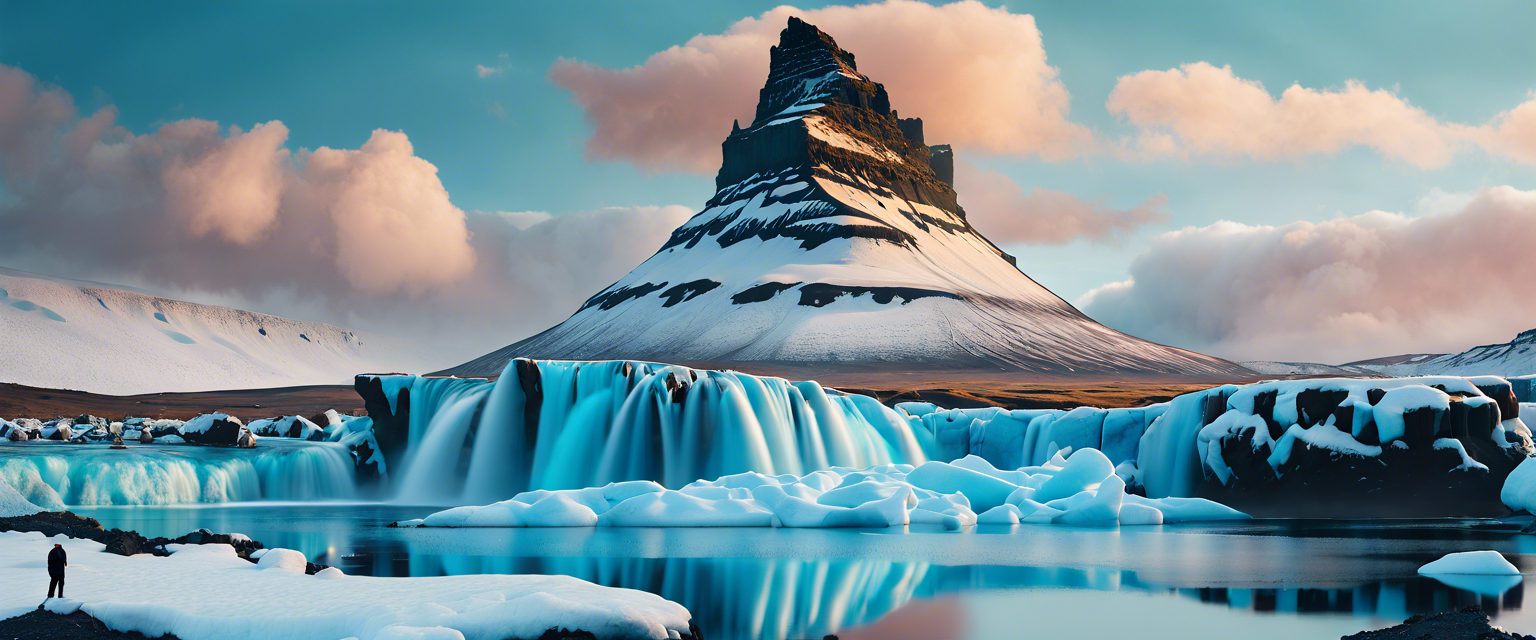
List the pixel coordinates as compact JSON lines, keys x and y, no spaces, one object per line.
{"x":1509,"y":359}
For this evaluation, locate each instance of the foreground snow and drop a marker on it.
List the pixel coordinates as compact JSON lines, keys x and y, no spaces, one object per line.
{"x":1079,"y":490}
{"x":136,"y":342}
{"x":206,"y":592}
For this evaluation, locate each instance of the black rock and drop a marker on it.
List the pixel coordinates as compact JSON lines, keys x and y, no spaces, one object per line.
{"x":1470,"y":623}
{"x":45,"y":625}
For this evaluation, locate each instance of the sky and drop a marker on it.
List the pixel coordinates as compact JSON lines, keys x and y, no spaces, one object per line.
{"x":1296,"y":181}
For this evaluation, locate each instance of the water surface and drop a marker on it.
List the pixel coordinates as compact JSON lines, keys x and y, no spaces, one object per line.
{"x":1254,"y":579}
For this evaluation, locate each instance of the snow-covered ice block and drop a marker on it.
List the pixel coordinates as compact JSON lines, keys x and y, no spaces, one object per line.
{"x":402,"y":632}
{"x":1136,"y":514}
{"x":61,"y":606}
{"x":1005,"y":514}
{"x":937,"y":493}
{"x":1519,"y":490}
{"x":1474,"y":563}
{"x":984,"y":491}
{"x":282,"y":560}
{"x":675,"y":509}
{"x":1084,"y":470}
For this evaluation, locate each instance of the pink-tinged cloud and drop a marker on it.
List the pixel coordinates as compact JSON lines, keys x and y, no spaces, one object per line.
{"x":1204,"y":110}
{"x":977,"y":76}
{"x":1001,"y":210}
{"x":1371,"y":285}
{"x":1513,"y":133}
{"x":395,"y":227}
{"x":367,"y":238}
{"x":227,"y":186}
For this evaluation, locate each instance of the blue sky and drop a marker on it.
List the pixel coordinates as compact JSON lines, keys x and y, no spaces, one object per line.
{"x":333,"y":72}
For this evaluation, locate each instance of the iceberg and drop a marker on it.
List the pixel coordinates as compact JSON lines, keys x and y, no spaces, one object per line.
{"x":1089,"y":494}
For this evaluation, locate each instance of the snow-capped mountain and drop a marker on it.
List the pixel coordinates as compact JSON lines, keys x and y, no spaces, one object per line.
{"x":834,"y":239}
{"x":1514,"y":358}
{"x":69,"y":334}
{"x":1276,"y":368}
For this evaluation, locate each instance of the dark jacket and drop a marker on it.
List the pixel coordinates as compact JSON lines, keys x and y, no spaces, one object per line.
{"x":57,"y":560}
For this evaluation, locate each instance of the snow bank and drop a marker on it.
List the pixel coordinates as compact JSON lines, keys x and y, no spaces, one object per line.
{"x":139,"y":343}
{"x":205,"y":592}
{"x":1475,"y":563}
{"x":1078,"y":490}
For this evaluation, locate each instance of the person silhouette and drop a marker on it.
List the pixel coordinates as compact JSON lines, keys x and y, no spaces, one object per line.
{"x":57,"y":560}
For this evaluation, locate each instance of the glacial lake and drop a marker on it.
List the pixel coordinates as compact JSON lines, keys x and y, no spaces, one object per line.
{"x":1256,"y":579}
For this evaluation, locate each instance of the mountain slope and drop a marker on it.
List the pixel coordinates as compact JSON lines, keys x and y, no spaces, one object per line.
{"x":69,"y":334}
{"x":1514,"y":358}
{"x":834,"y":239}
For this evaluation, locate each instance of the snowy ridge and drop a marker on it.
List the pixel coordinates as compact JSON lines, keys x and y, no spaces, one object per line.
{"x":1514,"y":358}
{"x":1274,"y":368}
{"x":64,"y":334}
{"x":833,"y":240}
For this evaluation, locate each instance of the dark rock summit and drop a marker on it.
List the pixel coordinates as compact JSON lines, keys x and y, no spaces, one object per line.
{"x":830,"y":191}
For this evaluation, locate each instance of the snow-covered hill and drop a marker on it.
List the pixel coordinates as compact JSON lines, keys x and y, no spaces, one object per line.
{"x":1274,"y":368}
{"x":1514,"y":358}
{"x":834,"y":239}
{"x":69,"y":334}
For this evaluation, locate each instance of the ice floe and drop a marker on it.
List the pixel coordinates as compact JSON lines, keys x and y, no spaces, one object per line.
{"x":1079,"y":489}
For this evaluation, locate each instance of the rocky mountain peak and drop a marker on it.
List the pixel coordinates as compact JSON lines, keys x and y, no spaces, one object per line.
{"x":834,"y":239}
{"x":806,"y":62}
{"x":817,"y":114}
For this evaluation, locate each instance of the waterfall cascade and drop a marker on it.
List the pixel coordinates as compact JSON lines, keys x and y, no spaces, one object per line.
{"x":52,"y":475}
{"x":569,"y":425}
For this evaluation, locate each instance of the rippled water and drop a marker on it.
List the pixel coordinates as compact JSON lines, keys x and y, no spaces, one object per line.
{"x":1258,"y":579}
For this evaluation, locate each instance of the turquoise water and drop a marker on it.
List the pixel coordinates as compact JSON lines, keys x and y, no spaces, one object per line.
{"x":1257,"y":579}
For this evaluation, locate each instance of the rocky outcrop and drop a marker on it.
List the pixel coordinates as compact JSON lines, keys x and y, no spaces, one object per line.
{"x":1330,"y":448}
{"x":217,"y":429}
{"x":46,"y":625}
{"x":130,"y":543}
{"x":1470,"y":623}
{"x":391,"y":424}
{"x":123,"y":543}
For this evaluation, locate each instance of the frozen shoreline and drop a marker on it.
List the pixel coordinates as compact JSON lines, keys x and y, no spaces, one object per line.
{"x":207,"y":591}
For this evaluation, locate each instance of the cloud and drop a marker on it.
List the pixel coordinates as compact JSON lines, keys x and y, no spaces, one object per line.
{"x":366,"y":238}
{"x":502,"y":64}
{"x":230,"y":186}
{"x":395,"y":228}
{"x":1204,"y":110}
{"x":1200,"y":110}
{"x":977,"y":76}
{"x":1513,"y":133}
{"x":1371,"y":285}
{"x":1001,"y":210}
